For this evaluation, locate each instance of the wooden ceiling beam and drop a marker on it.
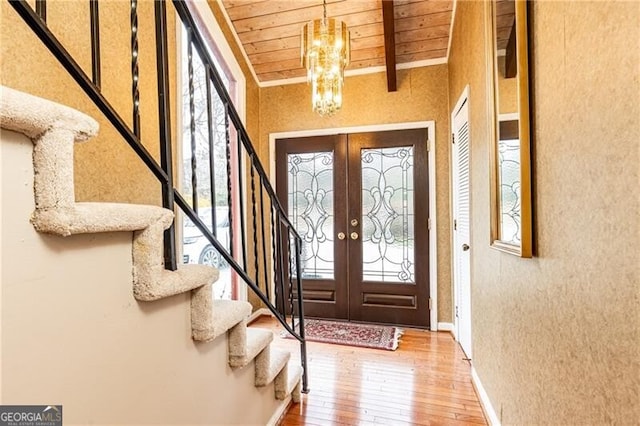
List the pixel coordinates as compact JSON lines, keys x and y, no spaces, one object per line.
{"x":510,"y":60}
{"x":388,"y":21}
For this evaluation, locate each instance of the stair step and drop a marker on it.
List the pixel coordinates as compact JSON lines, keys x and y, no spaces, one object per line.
{"x":211,"y":318}
{"x":289,"y":381}
{"x":169,"y":283}
{"x":269,"y":363}
{"x":255,"y":341}
{"x":84,"y":218}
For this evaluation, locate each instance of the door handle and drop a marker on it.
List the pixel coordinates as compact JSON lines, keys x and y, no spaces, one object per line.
{"x":465,"y":247}
{"x":341,"y":236}
{"x":354,"y":235}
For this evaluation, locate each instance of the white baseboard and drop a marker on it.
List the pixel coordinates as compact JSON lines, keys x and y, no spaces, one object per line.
{"x":280,"y":412}
{"x":257,"y":314}
{"x":447,"y":326}
{"x":484,"y":399}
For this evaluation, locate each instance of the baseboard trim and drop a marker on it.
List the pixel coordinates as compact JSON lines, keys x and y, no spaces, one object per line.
{"x":485,"y":403}
{"x":280,"y":412}
{"x":257,"y":314}
{"x":446,"y":326}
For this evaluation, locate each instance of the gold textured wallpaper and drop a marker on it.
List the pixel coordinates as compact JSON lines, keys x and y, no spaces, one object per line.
{"x":421,"y":96}
{"x":556,"y":338}
{"x":106,"y":168}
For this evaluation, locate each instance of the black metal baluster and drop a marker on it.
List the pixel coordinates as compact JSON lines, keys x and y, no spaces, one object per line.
{"x":41,"y":9}
{"x":291,"y":271}
{"x":301,"y":332}
{"x":192,"y":126}
{"x":264,"y":243}
{"x":135,"y":92}
{"x":274,"y":250}
{"x":254,"y":221}
{"x":241,"y":201}
{"x":212,"y":175}
{"x":229,"y":196}
{"x":95,"y":42}
{"x":280,"y":288}
{"x":164,"y":114}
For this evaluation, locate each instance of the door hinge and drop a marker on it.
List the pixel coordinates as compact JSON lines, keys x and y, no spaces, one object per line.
{"x":455,"y":225}
{"x":453,"y":138}
{"x":428,"y":145}
{"x":430,"y":304}
{"x":429,"y":224}
{"x":457,"y":311}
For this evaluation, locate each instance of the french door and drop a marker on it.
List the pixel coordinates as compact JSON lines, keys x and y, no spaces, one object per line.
{"x":360,"y":204}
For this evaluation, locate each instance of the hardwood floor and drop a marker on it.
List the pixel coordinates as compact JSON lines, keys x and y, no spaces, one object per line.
{"x":424,"y":382}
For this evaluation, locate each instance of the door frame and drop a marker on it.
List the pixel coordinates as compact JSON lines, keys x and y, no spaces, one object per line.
{"x":433,"y":233}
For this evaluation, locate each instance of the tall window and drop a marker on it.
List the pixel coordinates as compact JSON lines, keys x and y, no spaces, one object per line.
{"x":203,"y":138}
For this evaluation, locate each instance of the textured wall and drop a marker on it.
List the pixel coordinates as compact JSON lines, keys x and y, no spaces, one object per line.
{"x":555,"y":338}
{"x":108,"y":169}
{"x":422,"y":95}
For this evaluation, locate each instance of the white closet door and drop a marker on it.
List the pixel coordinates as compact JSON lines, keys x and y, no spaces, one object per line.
{"x":461,"y":239}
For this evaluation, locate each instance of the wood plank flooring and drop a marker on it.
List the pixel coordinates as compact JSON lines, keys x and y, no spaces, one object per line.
{"x":424,"y":382}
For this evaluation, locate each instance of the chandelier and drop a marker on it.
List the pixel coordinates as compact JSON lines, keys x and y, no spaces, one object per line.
{"x":325,"y":54}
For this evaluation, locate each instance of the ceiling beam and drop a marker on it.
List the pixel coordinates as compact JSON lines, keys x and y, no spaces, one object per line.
{"x":510,"y":60}
{"x":388,"y":21}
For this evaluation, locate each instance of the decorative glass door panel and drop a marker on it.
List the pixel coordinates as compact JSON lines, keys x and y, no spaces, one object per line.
{"x":388,"y":215}
{"x":310,"y":209}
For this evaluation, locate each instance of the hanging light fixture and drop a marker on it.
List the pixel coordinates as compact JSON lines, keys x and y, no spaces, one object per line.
{"x":325,"y":54}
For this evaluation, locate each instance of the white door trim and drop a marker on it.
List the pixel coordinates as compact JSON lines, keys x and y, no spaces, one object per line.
{"x":433,"y":237}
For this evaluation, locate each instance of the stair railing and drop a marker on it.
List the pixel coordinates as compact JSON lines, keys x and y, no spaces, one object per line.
{"x":268,"y":218}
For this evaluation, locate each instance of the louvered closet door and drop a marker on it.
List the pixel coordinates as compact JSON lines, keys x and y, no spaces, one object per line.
{"x":461,"y":247}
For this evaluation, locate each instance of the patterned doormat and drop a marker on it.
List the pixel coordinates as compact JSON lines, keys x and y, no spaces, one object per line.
{"x":351,"y":334}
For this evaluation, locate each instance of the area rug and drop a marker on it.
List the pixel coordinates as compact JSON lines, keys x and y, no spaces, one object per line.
{"x":351,"y":334}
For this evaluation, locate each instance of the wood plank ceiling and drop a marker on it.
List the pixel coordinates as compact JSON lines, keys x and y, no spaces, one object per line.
{"x":269,"y":31}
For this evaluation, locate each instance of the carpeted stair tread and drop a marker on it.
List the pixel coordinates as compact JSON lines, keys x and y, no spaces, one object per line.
{"x":288,"y":380}
{"x":269,"y":363}
{"x":256,"y":340}
{"x":32,"y":116}
{"x":169,"y":283}
{"x":210,"y":318}
{"x":83,"y":218}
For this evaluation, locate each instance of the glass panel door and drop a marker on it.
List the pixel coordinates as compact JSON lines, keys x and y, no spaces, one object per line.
{"x":311,"y":184}
{"x":388,"y":235}
{"x":360,"y":204}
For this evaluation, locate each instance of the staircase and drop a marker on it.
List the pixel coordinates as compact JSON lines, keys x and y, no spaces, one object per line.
{"x":54,"y":129}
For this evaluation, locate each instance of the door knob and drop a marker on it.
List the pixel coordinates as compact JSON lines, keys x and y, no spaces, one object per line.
{"x":341,"y":235}
{"x":354,"y":235}
{"x":465,"y":247}
{"x":354,"y":222}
